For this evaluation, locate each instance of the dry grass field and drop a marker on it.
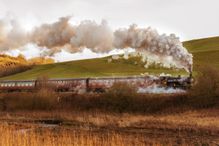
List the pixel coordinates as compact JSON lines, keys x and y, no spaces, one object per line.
{"x":36,"y":136}
{"x":96,"y":128}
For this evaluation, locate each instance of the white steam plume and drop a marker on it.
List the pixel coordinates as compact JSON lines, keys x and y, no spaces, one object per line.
{"x":12,"y":35}
{"x":160,"y":90}
{"x":100,"y":39}
{"x":149,"y":42}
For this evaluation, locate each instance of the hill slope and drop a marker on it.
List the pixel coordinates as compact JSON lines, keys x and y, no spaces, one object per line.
{"x":205,"y":51}
{"x":97,"y":67}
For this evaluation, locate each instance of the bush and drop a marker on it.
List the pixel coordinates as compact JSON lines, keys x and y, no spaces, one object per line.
{"x":42,"y":83}
{"x":44,"y":98}
{"x":204,"y":92}
{"x":17,"y":101}
{"x":120,"y":96}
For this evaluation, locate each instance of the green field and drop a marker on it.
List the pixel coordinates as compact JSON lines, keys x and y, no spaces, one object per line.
{"x":205,"y":51}
{"x":99,"y":67}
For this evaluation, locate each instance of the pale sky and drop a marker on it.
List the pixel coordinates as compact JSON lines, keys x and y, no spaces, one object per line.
{"x":188,"y":19}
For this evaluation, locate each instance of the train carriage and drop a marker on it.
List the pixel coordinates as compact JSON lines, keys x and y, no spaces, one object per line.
{"x":82,"y":85}
{"x":10,"y":86}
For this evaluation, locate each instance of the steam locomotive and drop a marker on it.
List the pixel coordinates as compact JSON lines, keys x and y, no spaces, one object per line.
{"x":86,"y":85}
{"x":176,"y":82}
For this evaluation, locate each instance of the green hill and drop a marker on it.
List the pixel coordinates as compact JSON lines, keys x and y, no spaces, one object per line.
{"x":205,"y":51}
{"x":98,"y":67}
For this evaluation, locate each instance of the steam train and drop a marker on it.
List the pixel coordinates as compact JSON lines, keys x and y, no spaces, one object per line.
{"x":98,"y":85}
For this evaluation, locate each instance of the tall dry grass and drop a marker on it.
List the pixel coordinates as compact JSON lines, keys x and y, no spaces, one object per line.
{"x":205,"y":91}
{"x":207,"y":82}
{"x":37,"y":136}
{"x":43,"y":98}
{"x":120,"y":96}
{"x":12,"y":135}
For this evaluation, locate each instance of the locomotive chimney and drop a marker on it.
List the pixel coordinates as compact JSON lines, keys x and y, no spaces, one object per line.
{"x":190,"y":71}
{"x":87,"y":85}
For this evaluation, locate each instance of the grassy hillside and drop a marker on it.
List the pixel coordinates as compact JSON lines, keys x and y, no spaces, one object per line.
{"x":202,"y":45}
{"x":205,"y":51}
{"x":90,"y":68}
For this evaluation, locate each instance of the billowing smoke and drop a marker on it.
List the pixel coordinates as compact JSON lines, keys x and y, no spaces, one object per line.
{"x":148,"y":42}
{"x":164,"y":49}
{"x":88,"y":34}
{"x":12,"y":35}
{"x":53,"y":36}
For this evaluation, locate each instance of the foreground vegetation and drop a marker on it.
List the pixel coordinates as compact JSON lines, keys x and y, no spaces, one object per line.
{"x":120,"y":98}
{"x":13,"y":135}
{"x":97,"y":128}
{"x":121,"y":116}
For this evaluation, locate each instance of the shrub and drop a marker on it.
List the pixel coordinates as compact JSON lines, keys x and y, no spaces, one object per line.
{"x":45,"y":99}
{"x":204,"y":92}
{"x":42,"y":83}
{"x":120,"y":96}
{"x":16,"y":101}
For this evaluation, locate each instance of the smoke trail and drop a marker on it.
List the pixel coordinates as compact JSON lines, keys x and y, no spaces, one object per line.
{"x":12,"y":35}
{"x":165,"y":49}
{"x":54,"y":35}
{"x":149,"y":43}
{"x":89,"y":34}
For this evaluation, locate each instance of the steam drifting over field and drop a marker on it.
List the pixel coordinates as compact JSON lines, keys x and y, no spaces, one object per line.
{"x":153,"y":47}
